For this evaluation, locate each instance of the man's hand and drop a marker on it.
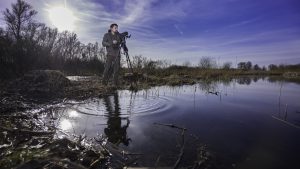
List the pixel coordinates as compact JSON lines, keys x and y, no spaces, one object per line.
{"x":115,"y":42}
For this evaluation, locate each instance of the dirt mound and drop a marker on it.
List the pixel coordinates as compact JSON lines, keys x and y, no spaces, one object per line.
{"x":41,"y":83}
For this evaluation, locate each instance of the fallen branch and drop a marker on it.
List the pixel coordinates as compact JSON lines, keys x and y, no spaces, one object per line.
{"x":286,"y":122}
{"x":96,"y":162}
{"x":171,"y":125}
{"x":181,"y":150}
{"x":133,"y":154}
{"x":157,"y":161}
{"x":182,"y":144}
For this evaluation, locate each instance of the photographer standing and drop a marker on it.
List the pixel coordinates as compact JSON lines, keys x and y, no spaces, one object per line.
{"x":112,"y":41}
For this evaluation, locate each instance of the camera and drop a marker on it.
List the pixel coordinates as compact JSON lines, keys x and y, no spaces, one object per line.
{"x":123,"y":36}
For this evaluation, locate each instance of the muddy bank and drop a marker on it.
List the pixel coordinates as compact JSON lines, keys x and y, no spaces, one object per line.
{"x":44,"y":86}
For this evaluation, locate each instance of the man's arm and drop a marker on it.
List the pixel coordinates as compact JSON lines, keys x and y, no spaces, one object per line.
{"x":105,"y":41}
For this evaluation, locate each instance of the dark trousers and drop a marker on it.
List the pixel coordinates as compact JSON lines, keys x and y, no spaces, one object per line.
{"x":112,"y":67}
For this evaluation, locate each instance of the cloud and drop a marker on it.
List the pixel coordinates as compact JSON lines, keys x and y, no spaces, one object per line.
{"x":178,"y":29}
{"x":135,"y":11}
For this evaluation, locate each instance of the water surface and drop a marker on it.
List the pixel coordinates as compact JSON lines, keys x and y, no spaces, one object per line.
{"x":245,"y":123}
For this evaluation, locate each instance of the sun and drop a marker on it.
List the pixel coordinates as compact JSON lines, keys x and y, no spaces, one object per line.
{"x":62,"y":18}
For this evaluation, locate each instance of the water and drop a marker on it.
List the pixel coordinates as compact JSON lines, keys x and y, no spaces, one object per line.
{"x":245,"y":123}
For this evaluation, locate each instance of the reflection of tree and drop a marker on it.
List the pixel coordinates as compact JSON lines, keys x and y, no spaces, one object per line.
{"x":226,"y":81}
{"x":115,"y":132}
{"x":255,"y":79}
{"x":244,"y":80}
{"x":208,"y":86}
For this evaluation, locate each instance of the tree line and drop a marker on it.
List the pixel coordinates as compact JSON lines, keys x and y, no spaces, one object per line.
{"x":207,"y":62}
{"x":26,"y":44}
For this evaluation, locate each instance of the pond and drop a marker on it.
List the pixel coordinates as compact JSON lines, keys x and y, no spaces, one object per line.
{"x":243,"y":122}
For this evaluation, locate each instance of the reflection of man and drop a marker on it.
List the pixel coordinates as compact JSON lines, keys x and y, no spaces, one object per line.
{"x":115,"y":132}
{"x":112,"y":41}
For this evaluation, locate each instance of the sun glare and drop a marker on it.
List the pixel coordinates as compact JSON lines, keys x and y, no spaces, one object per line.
{"x":62,"y":18}
{"x":65,"y":124}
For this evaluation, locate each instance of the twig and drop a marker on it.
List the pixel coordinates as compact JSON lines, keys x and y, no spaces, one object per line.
{"x":96,"y":161}
{"x":285,"y":112}
{"x":72,"y":164}
{"x":194,"y":136}
{"x":286,"y":122}
{"x":181,"y":151}
{"x":4,"y":99}
{"x":122,"y":152}
{"x":130,"y":162}
{"x":157,"y":161}
{"x":133,"y":154}
{"x":171,"y":125}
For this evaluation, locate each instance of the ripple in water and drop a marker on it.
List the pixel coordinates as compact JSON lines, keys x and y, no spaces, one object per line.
{"x":125,"y":103}
{"x":143,"y":105}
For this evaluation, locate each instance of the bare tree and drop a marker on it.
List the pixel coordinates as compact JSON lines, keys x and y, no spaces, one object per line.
{"x":248,"y":65}
{"x":138,"y":61}
{"x":245,"y":65}
{"x":19,"y":18}
{"x":256,"y":67}
{"x":207,"y":63}
{"x":67,"y":45}
{"x":186,"y":64}
{"x":227,"y":65}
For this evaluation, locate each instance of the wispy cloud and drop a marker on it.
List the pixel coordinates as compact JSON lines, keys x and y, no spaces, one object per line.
{"x":178,"y":29}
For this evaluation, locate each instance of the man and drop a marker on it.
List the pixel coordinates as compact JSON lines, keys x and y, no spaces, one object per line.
{"x":112,"y":41}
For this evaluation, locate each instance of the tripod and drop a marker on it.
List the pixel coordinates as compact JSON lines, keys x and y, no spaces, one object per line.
{"x":124,"y":36}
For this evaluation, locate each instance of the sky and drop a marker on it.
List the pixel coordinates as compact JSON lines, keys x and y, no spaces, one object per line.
{"x":260,"y":31}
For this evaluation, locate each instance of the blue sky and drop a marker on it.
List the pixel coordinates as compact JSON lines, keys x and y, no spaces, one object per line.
{"x":261,"y":31}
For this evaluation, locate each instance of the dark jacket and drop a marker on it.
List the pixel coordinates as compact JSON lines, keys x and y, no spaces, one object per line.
{"x":112,"y":49}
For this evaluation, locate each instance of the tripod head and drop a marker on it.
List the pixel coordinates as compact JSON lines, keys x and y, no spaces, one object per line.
{"x":123,"y":37}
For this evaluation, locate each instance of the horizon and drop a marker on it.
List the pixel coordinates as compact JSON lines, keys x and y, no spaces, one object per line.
{"x":263,"y":32}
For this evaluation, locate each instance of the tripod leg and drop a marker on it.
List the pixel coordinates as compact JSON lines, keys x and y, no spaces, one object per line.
{"x":130,"y":67}
{"x":129,"y":62}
